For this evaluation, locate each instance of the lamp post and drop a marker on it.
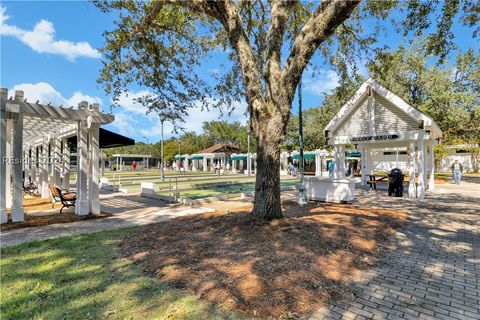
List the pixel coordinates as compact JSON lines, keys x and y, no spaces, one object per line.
{"x":145,"y":138}
{"x":162,"y":176}
{"x":301,"y":190}
{"x":249,"y":159}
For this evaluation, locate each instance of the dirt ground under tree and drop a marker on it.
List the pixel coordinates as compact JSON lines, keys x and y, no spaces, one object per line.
{"x":279,"y":269}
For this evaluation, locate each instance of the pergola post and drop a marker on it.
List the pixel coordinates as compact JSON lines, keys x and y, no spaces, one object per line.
{"x":8,"y":165}
{"x":363,"y":159}
{"x":56,"y":160}
{"x":94,"y":150}
{"x":205,"y":163}
{"x":44,"y":169}
{"x":17,"y":203}
{"x":340,"y":161}
{"x":3,"y":159}
{"x":411,"y":170}
{"x":421,"y":168}
{"x":431,"y":182}
{"x":234,"y":166}
{"x":33,"y":164}
{"x":82,"y":206}
{"x":185,"y":163}
{"x":66,"y":165}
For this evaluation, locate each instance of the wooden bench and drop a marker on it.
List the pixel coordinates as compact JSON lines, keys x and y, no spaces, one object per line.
{"x":373,"y":182}
{"x":66,"y":198}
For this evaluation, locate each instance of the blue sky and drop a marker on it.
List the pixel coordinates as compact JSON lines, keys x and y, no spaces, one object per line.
{"x":48,"y":49}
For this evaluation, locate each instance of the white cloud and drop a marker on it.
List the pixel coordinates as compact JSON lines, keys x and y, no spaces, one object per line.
{"x":124,"y":123}
{"x":45,"y":93}
{"x":323,"y":81}
{"x":130,"y":111}
{"x":41,"y":39}
{"x":127,"y":102}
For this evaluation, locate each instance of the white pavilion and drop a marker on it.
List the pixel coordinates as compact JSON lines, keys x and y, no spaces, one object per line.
{"x":375,"y":118}
{"x":33,"y":147}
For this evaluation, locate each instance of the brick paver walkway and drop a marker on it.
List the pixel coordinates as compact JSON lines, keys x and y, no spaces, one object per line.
{"x":433,"y":270}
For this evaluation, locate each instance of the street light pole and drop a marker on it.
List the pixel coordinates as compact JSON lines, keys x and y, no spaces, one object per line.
{"x":162,"y":176}
{"x":249,"y":159}
{"x":145,"y":138}
{"x":301,"y":190}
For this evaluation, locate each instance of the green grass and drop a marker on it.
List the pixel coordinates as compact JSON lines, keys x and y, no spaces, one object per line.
{"x":154,"y":173}
{"x":188,"y":183}
{"x":225,"y":190}
{"x":82,"y":277}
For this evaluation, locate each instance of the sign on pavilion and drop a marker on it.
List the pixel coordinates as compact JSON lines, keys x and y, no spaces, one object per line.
{"x":34,"y":146}
{"x":376,"y":118}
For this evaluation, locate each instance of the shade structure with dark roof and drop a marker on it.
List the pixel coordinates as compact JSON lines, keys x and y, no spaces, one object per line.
{"x":108,"y":139}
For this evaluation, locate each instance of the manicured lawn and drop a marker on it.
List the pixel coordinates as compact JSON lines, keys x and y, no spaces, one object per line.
{"x":84,"y":278}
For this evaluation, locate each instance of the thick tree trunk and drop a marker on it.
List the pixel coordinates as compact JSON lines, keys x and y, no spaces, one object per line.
{"x":267,"y":187}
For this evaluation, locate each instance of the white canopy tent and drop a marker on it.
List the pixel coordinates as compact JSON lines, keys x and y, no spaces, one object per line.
{"x":376,"y":118}
{"x":33,"y":146}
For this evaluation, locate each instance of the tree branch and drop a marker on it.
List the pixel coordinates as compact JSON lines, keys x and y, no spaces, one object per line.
{"x":321,"y":25}
{"x":279,"y":18}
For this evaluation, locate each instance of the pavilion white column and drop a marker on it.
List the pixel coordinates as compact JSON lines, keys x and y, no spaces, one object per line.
{"x":421,"y":168}
{"x":17,"y":203}
{"x":234,"y":166}
{"x":8,"y":166}
{"x":205,"y":163}
{"x":363,"y":160}
{"x":82,"y":206}
{"x":66,"y":165}
{"x":45,"y":193}
{"x":3,"y":158}
{"x":340,"y":161}
{"x":431,"y":182}
{"x":56,"y":160}
{"x":94,"y":185}
{"x":411,"y":170}
{"x":194,"y":164}
{"x":185,"y":163}
{"x":426,"y":159}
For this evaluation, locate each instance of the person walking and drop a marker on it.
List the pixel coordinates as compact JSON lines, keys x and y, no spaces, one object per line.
{"x":134,"y":165}
{"x":331,"y":167}
{"x":457,"y":170}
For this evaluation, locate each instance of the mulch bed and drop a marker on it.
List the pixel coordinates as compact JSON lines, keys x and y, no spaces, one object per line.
{"x":278,"y":269}
{"x":31,"y":220}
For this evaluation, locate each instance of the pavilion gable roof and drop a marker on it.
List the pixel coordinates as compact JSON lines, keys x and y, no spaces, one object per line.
{"x":219,"y":148}
{"x":406,"y":111}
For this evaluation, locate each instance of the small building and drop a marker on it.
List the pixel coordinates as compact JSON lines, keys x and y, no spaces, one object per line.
{"x":209,"y":157}
{"x":377,"y":119}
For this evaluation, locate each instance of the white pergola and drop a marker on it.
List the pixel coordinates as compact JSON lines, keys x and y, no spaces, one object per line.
{"x":33,"y":146}
{"x":376,"y":118}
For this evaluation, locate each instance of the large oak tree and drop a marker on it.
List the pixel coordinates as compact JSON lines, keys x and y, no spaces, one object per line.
{"x":160,"y":44}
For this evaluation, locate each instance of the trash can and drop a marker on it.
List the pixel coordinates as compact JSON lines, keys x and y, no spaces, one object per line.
{"x":395,"y":183}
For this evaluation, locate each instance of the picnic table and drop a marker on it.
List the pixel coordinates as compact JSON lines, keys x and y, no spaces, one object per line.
{"x":374,"y":179}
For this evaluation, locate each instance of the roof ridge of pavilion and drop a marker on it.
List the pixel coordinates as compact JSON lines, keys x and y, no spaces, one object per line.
{"x":397,"y":101}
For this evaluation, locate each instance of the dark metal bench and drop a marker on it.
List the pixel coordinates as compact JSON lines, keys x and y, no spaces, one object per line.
{"x":66,"y":198}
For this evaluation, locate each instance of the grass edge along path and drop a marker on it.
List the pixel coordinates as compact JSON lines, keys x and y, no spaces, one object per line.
{"x":83,"y":277}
